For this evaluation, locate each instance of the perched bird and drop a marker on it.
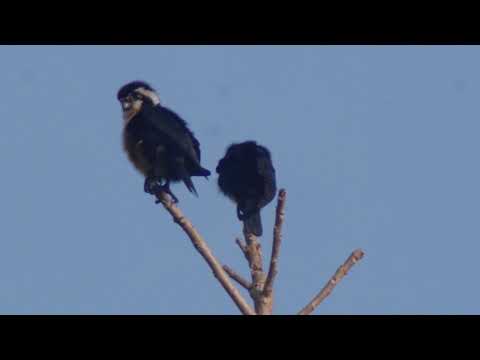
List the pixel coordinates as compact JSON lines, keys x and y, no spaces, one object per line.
{"x":247,"y":176}
{"x":158,"y":141}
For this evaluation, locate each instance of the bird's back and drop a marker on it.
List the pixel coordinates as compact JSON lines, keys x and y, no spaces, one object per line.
{"x":165,"y":128}
{"x":246,"y":172}
{"x":267,"y":172}
{"x":169,"y":123}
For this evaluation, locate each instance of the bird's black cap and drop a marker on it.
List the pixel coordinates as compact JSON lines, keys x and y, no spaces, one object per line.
{"x":128,"y":88}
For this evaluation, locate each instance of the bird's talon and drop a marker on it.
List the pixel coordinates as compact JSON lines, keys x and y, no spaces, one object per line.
{"x":153,"y":186}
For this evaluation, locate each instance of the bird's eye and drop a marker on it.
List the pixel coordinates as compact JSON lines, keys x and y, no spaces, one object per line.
{"x":137,"y":96}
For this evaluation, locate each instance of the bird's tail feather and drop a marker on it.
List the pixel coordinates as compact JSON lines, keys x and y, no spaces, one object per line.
{"x":202,"y":172}
{"x":189,"y":184}
{"x":186,"y":176}
{"x":253,"y":224}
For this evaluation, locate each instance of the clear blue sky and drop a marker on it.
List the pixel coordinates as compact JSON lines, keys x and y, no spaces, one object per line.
{"x":377,"y":147}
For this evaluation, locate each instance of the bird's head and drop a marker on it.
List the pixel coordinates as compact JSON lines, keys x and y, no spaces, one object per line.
{"x":134,"y":95}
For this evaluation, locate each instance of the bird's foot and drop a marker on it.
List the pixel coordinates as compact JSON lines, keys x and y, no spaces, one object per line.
{"x":153,"y":185}
{"x":167,"y":190}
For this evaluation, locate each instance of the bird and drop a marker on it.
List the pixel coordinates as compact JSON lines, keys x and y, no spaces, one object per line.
{"x":157,"y":141}
{"x":247,"y":177}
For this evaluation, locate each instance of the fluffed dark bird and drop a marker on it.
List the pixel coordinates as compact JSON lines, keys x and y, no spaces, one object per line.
{"x":247,"y":176}
{"x":158,"y":141}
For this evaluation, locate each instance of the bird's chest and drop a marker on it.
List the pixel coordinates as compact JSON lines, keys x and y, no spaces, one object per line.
{"x":134,"y":146}
{"x":145,"y":151}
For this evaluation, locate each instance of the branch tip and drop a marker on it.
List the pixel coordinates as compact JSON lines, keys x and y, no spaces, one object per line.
{"x":354,"y":257}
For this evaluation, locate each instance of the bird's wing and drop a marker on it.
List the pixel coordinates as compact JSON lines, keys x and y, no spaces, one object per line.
{"x":264,"y":162}
{"x":172,"y":125}
{"x":267,"y":171}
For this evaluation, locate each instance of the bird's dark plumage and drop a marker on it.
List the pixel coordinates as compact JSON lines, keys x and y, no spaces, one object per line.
{"x":158,"y":141}
{"x":247,"y":176}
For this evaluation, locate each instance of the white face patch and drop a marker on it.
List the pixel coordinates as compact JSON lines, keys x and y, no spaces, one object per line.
{"x":150,"y":94}
{"x":130,"y":109}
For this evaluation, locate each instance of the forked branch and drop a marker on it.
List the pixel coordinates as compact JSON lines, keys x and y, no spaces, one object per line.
{"x":242,"y":247}
{"x":261,"y":288}
{"x":238,"y":278}
{"x":206,"y":253}
{"x":254,"y":257}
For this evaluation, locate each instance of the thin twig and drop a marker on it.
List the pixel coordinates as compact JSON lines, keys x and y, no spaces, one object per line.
{"x":334,"y":280}
{"x":277,"y":240}
{"x":242,"y":247}
{"x":238,"y":278}
{"x":206,"y":253}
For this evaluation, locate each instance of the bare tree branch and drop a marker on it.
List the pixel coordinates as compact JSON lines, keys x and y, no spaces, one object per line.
{"x":277,"y":240}
{"x":206,"y":253}
{"x":261,"y":287}
{"x":242,"y":247}
{"x":254,"y":257}
{"x":238,"y":278}
{"x":334,"y":280}
{"x":254,"y":253}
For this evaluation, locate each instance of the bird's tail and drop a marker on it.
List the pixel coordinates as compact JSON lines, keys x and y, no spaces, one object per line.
{"x":188,"y":180}
{"x":202,"y":172}
{"x":189,"y":184}
{"x":249,"y":213}
{"x":253,"y":224}
{"x":186,"y":176}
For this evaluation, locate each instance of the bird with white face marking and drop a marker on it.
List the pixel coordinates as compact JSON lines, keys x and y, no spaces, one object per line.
{"x":158,"y":141}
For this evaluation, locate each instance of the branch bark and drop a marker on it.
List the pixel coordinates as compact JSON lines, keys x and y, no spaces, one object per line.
{"x":242,"y":247}
{"x":356,"y":256}
{"x":277,"y":240}
{"x":261,"y":287}
{"x":254,"y":257}
{"x":206,"y":253}
{"x":238,"y":278}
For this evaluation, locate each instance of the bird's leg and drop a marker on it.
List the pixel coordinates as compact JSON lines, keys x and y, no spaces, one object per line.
{"x":240,"y":214}
{"x":166,"y":188}
{"x":146,"y":185}
{"x":152,"y":185}
{"x":243,"y":213}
